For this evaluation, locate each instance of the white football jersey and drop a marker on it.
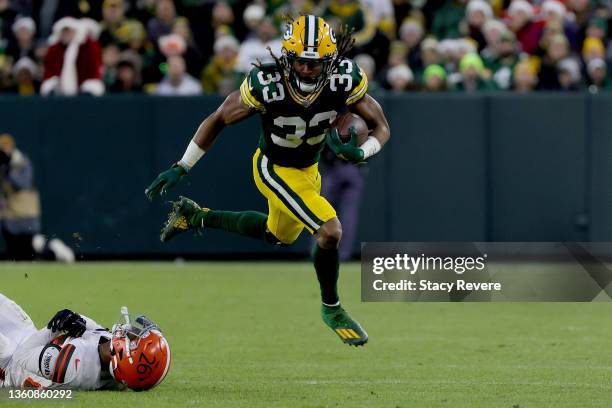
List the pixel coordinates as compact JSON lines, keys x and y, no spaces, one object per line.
{"x":43,"y":360}
{"x":77,"y":365}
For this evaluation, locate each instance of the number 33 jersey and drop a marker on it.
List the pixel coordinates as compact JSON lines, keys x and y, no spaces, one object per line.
{"x":294,"y":124}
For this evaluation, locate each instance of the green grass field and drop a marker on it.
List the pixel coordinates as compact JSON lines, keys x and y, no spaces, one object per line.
{"x":249,"y":335}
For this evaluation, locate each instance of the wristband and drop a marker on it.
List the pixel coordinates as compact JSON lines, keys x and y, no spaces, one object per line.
{"x":191,"y":156}
{"x":370,"y":147}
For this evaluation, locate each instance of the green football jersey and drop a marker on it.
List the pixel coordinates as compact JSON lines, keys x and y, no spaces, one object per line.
{"x":293,"y":126}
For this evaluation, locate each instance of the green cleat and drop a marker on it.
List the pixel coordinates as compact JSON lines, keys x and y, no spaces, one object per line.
{"x":181,"y":218}
{"x":349,"y":331}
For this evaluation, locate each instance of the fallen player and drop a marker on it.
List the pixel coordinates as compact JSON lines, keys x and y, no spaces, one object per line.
{"x":75,"y":352}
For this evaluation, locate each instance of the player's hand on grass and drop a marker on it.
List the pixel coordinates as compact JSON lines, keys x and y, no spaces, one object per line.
{"x":350,"y":150}
{"x":67,"y":321}
{"x":165,"y":181}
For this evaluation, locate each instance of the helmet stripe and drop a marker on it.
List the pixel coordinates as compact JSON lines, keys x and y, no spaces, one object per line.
{"x":316,"y":32}
{"x":310,"y":39}
{"x":168,"y":360}
{"x":306,"y":27}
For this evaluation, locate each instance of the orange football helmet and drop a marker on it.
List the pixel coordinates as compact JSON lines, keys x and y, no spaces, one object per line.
{"x":140,"y":353}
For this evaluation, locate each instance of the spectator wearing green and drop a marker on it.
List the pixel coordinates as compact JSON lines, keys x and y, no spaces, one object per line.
{"x":434,"y":79}
{"x":597,"y":76}
{"x":597,"y":28}
{"x":473,"y":74}
{"x":447,"y":19}
{"x":502,"y":59}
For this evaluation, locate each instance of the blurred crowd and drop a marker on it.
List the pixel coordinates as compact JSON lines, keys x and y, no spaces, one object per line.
{"x":192,"y":47}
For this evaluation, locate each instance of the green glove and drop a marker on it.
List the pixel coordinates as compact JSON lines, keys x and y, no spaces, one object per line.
{"x":165,"y":181}
{"x":349,"y":151}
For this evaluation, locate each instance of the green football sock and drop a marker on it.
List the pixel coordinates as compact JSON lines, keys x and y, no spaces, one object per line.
{"x":248,"y":223}
{"x":327,"y":265}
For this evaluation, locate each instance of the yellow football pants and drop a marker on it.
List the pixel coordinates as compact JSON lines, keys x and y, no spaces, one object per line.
{"x":294,"y":198}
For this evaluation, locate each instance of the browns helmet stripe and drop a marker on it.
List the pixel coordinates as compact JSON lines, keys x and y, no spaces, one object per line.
{"x":61,"y":366}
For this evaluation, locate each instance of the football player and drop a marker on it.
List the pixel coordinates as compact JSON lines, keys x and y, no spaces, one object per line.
{"x":298,"y":97}
{"x":74,"y":352}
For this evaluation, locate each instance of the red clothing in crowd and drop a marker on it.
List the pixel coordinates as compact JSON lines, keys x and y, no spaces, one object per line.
{"x":529,"y":36}
{"x":88,"y":63}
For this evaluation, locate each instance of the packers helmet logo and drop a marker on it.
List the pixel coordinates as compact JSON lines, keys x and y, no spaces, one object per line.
{"x":332,"y":35}
{"x":288,"y":32}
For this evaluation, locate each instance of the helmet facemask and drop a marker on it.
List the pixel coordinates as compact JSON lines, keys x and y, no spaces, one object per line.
{"x":131,"y":333}
{"x":302,"y":85}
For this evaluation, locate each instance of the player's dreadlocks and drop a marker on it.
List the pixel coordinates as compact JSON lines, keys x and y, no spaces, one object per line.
{"x":344,"y":41}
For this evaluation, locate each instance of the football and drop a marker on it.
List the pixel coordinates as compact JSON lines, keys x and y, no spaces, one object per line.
{"x":350,"y":120}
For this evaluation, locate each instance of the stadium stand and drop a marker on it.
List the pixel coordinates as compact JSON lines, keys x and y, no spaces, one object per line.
{"x":95,"y":47}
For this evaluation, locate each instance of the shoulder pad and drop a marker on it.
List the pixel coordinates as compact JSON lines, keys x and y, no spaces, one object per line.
{"x":257,"y":79}
{"x":350,"y":79}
